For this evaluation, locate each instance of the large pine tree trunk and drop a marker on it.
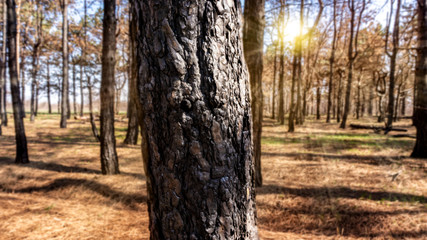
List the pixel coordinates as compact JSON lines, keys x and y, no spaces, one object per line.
{"x":21,"y":139}
{"x":420,"y":114}
{"x":109,"y":161}
{"x":253,"y":41}
{"x":197,"y":147}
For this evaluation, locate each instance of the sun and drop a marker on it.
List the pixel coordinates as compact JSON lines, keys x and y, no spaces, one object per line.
{"x":292,"y":31}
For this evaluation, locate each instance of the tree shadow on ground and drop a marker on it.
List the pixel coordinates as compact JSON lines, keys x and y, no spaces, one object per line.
{"x":319,"y":210}
{"x":341,"y":192}
{"x":371,"y":160}
{"x":55,"y":167}
{"x":129,"y":200}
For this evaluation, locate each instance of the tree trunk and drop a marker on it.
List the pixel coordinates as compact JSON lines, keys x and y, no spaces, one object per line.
{"x":318,"y":99}
{"x":339,"y":96}
{"x":253,"y":41}
{"x":273,"y":101}
{"x":352,"y":54}
{"x":109,"y":161}
{"x":133,"y":102}
{"x":92,"y":119}
{"x":35,"y":63}
{"x":21,"y":139}
{"x":3,"y":110}
{"x":281,"y":114}
{"x":420,"y":114}
{"x":23,"y":89}
{"x":331,"y":64}
{"x":64,"y":100}
{"x":48,"y":88}
{"x":390,"y":108}
{"x":74,"y":90}
{"x":81,"y":91}
{"x":197,"y":146}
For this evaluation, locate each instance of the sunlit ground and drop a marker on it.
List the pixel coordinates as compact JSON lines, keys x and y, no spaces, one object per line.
{"x":320,"y":182}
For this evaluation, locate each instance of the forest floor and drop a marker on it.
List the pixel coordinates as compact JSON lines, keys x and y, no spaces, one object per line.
{"x":320,"y":182}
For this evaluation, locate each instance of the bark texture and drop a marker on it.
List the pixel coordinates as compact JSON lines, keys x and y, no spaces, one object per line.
{"x":197,"y":129}
{"x":21,"y":139}
{"x":253,"y":41}
{"x":64,"y":99}
{"x":420,"y":114}
{"x":109,"y":160}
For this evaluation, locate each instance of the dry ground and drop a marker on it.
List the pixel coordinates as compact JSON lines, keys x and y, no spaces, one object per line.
{"x":319,"y":183}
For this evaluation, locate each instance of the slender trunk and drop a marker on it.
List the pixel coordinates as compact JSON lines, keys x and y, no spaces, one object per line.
{"x":109,"y":160}
{"x":74,"y":91}
{"x":291,"y":120}
{"x":64,"y":101}
{"x":318,"y":99}
{"x":48,"y":88}
{"x":81,"y":92}
{"x":281,"y":114}
{"x":20,"y":138}
{"x":390,"y":108}
{"x":3,"y":110}
{"x":23,"y":89}
{"x":273,"y":101}
{"x":358,"y":103}
{"x":339,"y":96}
{"x":197,"y":147}
{"x":331,"y":64}
{"x":92,"y":119}
{"x":133,"y":102}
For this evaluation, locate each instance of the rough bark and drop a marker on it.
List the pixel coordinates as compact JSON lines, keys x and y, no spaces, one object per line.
{"x":20,"y":138}
{"x":281,"y":114}
{"x":109,"y":160}
{"x":253,"y":41}
{"x":64,"y":99}
{"x":197,"y":147}
{"x":420,"y":114}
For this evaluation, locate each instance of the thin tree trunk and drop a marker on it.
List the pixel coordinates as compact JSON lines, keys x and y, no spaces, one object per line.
{"x":318,"y":99}
{"x":133,"y":102}
{"x":420,"y":114}
{"x":281,"y":114}
{"x":109,"y":160}
{"x":20,"y":138}
{"x":92,"y":119}
{"x":273,"y":101}
{"x":3,"y":109}
{"x":197,"y":146}
{"x":64,"y":102}
{"x":74,"y":90}
{"x":331,"y":64}
{"x":352,"y":54}
{"x":390,"y":108}
{"x":48,"y":88}
{"x":81,"y":91}
{"x":23,"y":89}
